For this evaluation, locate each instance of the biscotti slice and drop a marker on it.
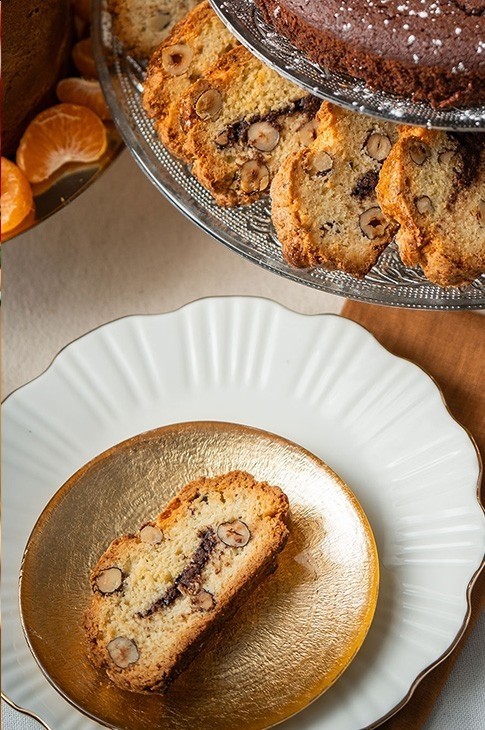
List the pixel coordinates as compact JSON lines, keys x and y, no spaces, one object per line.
{"x":242,"y":119}
{"x":141,"y":25}
{"x":159,"y":594}
{"x":324,"y":205}
{"x":433,"y":184}
{"x":193,"y":46}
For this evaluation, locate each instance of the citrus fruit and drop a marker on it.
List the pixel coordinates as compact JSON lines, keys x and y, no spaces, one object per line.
{"x":16,"y":199}
{"x":24,"y":225}
{"x":60,"y":134}
{"x":82,"y":56}
{"x":84,"y":92}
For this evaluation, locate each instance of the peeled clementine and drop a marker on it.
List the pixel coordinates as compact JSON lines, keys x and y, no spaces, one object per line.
{"x":82,"y":56}
{"x":16,"y":200}
{"x":60,"y":134}
{"x":84,"y":92}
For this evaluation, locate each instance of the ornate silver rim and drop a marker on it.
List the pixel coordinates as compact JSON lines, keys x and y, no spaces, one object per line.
{"x":247,"y":24}
{"x":248,"y":229}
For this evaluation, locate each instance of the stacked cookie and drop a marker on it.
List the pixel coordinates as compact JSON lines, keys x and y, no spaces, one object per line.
{"x":241,"y":121}
{"x":222,"y":110}
{"x":324,"y":202}
{"x":340,"y":202}
{"x":433,"y":185}
{"x":195,"y":44}
{"x":343,"y":185}
{"x":142,"y":25}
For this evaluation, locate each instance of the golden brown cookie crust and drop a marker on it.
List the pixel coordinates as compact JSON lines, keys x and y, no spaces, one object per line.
{"x":324,"y":206}
{"x":433,"y":185}
{"x":159,"y":594}
{"x":193,"y":46}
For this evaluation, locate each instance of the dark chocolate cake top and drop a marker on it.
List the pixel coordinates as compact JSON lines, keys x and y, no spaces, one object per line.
{"x":445,"y":33}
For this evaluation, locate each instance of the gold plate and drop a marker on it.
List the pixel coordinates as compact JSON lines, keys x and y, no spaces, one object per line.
{"x":289,"y":642}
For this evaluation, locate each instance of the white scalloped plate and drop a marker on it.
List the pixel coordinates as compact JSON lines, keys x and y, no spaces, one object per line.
{"x":321,"y":381}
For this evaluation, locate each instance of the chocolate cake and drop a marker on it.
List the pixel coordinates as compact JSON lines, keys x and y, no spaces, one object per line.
{"x":432,"y":50}
{"x":35,"y":39}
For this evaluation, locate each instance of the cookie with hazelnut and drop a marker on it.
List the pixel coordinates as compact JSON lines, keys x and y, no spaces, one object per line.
{"x":159,"y":594}
{"x":323,"y":200}
{"x":142,"y":24}
{"x":433,"y":185}
{"x":190,"y":50}
{"x":241,"y":120}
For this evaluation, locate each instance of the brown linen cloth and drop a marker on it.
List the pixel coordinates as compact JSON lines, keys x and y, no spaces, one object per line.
{"x":450,"y":346}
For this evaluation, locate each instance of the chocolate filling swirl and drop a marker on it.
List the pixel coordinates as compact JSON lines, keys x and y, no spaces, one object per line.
{"x":237,"y":133}
{"x":189,"y":575}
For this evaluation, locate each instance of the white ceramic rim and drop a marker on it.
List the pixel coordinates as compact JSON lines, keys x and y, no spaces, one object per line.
{"x":243,"y":301}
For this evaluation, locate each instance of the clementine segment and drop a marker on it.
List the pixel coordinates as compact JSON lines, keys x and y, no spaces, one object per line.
{"x":63,"y":133}
{"x":84,"y":92}
{"x":16,"y":199}
{"x":24,"y":225}
{"x":82,"y":56}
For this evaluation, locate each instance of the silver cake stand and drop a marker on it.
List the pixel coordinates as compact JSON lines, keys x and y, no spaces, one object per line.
{"x":248,"y":230}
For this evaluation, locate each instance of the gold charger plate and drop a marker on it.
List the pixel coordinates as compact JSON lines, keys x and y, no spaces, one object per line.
{"x":288,"y":643}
